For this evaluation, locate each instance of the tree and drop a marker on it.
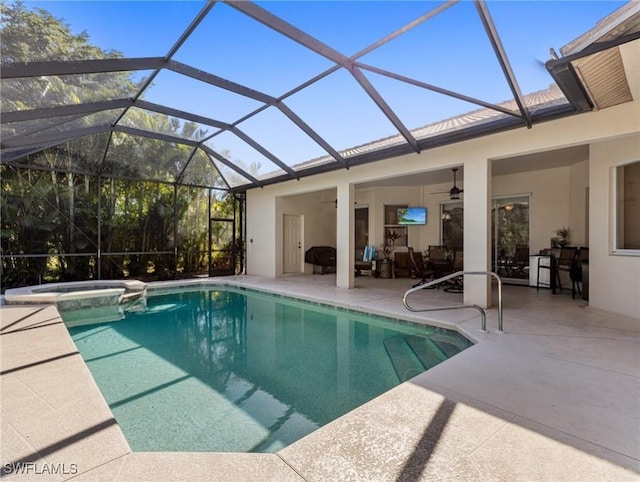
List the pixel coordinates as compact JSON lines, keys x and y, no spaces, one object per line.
{"x":55,"y":212}
{"x":31,"y":35}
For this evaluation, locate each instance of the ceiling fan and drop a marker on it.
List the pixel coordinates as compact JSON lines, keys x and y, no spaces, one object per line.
{"x":455,"y":191}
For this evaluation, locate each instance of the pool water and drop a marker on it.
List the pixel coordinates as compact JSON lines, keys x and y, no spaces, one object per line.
{"x":230,"y":370}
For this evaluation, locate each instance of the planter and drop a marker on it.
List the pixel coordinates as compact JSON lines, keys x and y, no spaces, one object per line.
{"x":385,"y":268}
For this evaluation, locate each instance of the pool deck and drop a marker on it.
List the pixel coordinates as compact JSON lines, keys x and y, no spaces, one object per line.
{"x":555,"y":398}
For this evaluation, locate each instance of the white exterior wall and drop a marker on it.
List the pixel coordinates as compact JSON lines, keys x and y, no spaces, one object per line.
{"x":614,"y":280}
{"x":345,"y":255}
{"x":477,"y":220}
{"x":553,"y":208}
{"x":578,"y":204}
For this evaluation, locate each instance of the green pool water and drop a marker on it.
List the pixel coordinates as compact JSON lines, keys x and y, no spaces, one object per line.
{"x":230,"y":370}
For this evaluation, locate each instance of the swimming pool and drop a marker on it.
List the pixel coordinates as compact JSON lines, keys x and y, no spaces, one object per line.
{"x":235,"y":370}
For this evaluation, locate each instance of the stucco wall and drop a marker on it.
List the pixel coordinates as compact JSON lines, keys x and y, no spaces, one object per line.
{"x":579,"y":204}
{"x":614,"y":279}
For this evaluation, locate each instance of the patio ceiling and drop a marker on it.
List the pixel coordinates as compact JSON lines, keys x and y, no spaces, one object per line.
{"x":236,"y":129}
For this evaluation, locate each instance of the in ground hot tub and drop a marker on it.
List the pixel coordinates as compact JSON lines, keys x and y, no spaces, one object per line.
{"x":110,"y":295}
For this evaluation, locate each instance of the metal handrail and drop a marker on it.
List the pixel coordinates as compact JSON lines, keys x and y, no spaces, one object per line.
{"x":456,"y":307}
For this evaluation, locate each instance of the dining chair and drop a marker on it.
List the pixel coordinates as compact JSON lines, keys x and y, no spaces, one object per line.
{"x":520,"y":259}
{"x":420,"y":268}
{"x":438,"y":260}
{"x":565,"y":263}
{"x":576,"y":273}
{"x":457,"y":284}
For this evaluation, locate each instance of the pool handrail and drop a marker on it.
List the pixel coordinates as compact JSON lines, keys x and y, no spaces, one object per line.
{"x":456,"y":307}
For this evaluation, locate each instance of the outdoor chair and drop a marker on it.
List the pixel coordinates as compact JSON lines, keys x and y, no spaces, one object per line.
{"x":457,"y":283}
{"x":566,"y":263}
{"x":420,"y":268}
{"x":576,"y":273}
{"x":520,"y":259}
{"x":438,"y":260}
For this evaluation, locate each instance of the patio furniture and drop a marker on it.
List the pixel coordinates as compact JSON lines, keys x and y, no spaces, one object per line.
{"x":364,"y":261}
{"x":438,"y":260}
{"x":402,"y":266}
{"x":520,"y":260}
{"x":577,"y":274}
{"x":457,"y":284}
{"x":584,"y":267}
{"x":420,"y":268}
{"x":566,"y":263}
{"x":363,"y":267}
{"x":539,"y":278}
{"x":322,"y":257}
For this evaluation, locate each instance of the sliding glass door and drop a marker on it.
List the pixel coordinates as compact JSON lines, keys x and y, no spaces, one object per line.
{"x":510,"y":237}
{"x":509,"y":234}
{"x":361,"y":230}
{"x":452,"y":218}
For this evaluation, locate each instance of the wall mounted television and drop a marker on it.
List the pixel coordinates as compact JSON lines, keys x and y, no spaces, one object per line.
{"x":412,"y":216}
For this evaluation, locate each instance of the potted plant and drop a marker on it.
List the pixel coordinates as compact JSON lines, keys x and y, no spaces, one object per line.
{"x":389,"y":241}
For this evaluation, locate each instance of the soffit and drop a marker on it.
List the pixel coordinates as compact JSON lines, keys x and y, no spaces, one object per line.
{"x":604,"y":78}
{"x":603,"y":73}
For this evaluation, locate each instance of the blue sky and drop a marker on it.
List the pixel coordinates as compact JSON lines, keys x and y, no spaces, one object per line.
{"x":450,"y":50}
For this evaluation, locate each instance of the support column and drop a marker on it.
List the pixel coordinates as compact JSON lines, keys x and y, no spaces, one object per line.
{"x":345,"y":243}
{"x":477,"y":231}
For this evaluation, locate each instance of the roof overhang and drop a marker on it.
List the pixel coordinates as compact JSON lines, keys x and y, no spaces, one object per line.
{"x":591,"y":72}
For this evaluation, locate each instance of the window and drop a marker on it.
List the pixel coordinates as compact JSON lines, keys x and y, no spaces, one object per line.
{"x":452,"y":217}
{"x":627,"y":207}
{"x":510,"y":237}
{"x":361,"y":230}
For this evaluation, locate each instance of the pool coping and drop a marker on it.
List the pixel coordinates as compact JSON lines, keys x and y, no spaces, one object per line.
{"x":52,"y":292}
{"x":292,"y":463}
{"x":253,"y":466}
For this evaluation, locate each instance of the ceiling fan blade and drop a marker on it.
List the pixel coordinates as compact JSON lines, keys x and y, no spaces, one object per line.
{"x":454,"y":192}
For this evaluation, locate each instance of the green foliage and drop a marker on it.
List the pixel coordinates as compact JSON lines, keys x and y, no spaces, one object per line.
{"x":34,"y":34}
{"x":29,"y":35}
{"x":54,"y":212}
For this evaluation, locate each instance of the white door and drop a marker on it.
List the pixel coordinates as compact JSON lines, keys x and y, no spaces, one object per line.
{"x":292,"y":243}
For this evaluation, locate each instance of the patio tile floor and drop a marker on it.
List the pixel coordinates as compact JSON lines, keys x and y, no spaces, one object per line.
{"x":556,"y":397}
